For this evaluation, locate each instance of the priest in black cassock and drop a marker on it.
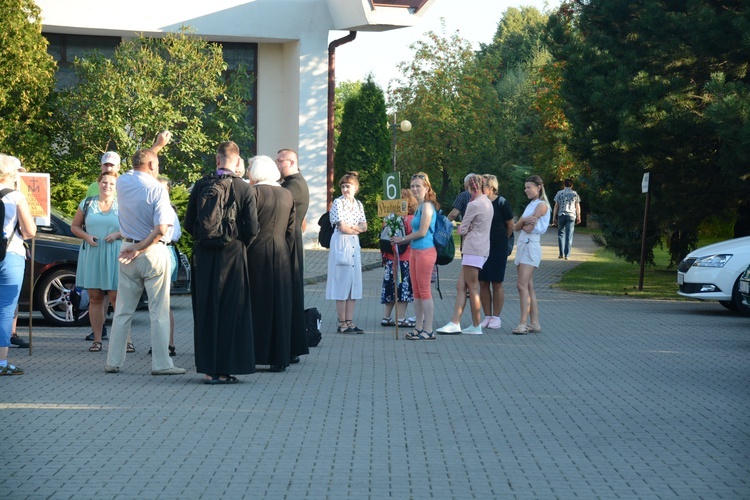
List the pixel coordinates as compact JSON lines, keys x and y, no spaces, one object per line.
{"x":286,"y":160}
{"x":222,"y":317}
{"x":270,"y":266}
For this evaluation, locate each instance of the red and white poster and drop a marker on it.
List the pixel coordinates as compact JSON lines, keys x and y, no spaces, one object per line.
{"x":36,"y":188}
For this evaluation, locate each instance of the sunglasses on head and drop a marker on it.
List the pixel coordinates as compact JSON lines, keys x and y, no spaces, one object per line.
{"x":419,"y":176}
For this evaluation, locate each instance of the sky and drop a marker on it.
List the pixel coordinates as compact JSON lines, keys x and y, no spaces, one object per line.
{"x":380,"y":53}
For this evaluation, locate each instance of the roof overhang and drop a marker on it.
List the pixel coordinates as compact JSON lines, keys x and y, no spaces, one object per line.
{"x":376,"y":15}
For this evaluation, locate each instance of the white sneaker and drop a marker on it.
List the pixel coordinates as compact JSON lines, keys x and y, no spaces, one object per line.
{"x":472,"y":330}
{"x":495,"y":323}
{"x":485,"y":321}
{"x":450,"y":328}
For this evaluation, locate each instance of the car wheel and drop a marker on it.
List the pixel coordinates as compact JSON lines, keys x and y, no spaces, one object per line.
{"x":728,"y":304}
{"x":737,"y":298}
{"x":53,"y":298}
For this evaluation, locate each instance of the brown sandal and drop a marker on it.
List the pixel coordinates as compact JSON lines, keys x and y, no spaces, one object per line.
{"x":96,"y":347}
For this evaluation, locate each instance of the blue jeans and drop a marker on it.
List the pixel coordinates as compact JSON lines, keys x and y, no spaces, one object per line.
{"x":11,"y":277}
{"x":566,"y":225}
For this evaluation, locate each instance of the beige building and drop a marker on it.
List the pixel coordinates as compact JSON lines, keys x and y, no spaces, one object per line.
{"x":285,"y":42}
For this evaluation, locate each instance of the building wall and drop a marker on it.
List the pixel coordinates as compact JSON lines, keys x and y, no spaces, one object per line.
{"x":292,"y":37}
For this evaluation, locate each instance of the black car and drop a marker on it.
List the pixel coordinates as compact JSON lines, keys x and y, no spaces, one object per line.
{"x":55,"y":261}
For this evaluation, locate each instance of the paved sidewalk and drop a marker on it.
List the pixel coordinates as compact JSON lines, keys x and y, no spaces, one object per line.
{"x":618,"y":398}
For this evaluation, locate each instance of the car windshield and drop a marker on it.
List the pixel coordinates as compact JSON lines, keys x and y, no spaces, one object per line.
{"x":61,"y":215}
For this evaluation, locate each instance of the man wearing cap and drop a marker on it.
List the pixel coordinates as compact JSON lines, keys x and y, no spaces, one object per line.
{"x":145,"y":215}
{"x":110,"y":163}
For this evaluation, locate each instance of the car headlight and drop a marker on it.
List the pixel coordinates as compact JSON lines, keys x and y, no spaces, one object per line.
{"x":713,"y":260}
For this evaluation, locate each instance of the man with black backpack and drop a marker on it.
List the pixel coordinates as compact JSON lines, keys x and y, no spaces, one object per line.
{"x":222,"y":218}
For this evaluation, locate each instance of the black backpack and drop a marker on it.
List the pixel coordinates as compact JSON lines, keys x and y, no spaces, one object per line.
{"x":326,"y":230}
{"x":5,"y":240}
{"x":216,"y":219}
{"x":312,"y":326}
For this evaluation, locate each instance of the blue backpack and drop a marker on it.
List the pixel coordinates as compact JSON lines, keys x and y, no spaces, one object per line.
{"x":443,"y":239}
{"x":443,"y":231}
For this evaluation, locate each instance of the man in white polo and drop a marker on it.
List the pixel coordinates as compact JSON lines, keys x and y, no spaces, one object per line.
{"x":145,"y":215}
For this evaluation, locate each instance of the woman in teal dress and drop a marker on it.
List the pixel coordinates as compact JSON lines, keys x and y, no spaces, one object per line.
{"x":96,"y":222}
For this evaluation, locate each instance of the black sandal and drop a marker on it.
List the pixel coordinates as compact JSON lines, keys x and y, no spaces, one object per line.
{"x":95,"y":347}
{"x":343,"y":328}
{"x":129,"y":347}
{"x":413,"y":335}
{"x":354,"y":328}
{"x":218,"y":380}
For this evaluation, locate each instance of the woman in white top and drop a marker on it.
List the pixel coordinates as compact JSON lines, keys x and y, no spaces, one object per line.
{"x":344,"y":283}
{"x":18,"y":224}
{"x":532,"y":224}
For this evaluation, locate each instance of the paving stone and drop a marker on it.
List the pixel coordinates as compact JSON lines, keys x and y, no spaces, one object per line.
{"x":618,"y":398}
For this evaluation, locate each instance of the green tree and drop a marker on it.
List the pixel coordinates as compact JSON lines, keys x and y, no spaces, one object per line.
{"x":661,"y":87}
{"x":344,"y":91}
{"x":532,"y":129}
{"x":364,"y":146}
{"x":450,"y":101}
{"x":178,"y":82}
{"x":26,"y":79}
{"x":518,"y":39}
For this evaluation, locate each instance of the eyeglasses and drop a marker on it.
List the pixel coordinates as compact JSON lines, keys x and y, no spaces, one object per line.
{"x":419,"y":176}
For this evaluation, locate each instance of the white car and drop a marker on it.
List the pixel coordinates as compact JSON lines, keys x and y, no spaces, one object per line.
{"x":713,"y":273}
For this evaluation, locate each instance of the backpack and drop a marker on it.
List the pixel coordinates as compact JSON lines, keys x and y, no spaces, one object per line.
{"x":5,"y":240}
{"x":443,"y":239}
{"x":445,"y":253}
{"x":312,"y":326}
{"x":326,"y":230}
{"x":385,"y":239}
{"x":216,"y":219}
{"x":443,"y":231}
{"x":79,"y":300}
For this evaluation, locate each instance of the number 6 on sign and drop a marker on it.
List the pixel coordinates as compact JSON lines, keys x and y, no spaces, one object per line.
{"x":391,"y":186}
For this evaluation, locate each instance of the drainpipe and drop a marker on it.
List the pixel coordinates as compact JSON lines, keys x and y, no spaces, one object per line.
{"x":331,"y":111}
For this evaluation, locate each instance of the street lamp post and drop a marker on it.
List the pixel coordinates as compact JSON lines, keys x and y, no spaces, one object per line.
{"x":404,"y":126}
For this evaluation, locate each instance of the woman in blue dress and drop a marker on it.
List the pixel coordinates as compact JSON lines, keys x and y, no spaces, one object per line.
{"x":96,"y":222}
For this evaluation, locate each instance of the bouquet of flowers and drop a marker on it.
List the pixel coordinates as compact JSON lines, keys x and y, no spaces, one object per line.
{"x":395,"y":225}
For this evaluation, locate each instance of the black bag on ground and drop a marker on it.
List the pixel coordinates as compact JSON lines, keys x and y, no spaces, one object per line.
{"x":216,"y":219}
{"x":79,"y":300}
{"x":312,"y":325}
{"x":326,"y":230}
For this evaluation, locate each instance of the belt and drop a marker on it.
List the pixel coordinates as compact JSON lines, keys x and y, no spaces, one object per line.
{"x":131,"y":240}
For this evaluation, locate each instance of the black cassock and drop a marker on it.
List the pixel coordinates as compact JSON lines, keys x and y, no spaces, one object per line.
{"x":222,"y":317}
{"x":297,"y":185}
{"x":270,"y":266}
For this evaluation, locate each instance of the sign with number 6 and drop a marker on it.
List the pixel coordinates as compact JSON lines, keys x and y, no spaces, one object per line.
{"x":391,"y":186}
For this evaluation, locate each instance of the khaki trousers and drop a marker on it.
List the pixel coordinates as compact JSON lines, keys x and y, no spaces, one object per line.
{"x":149,"y":271}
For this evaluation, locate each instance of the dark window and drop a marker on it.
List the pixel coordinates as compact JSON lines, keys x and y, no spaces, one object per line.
{"x":246,"y":54}
{"x":65,"y":48}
